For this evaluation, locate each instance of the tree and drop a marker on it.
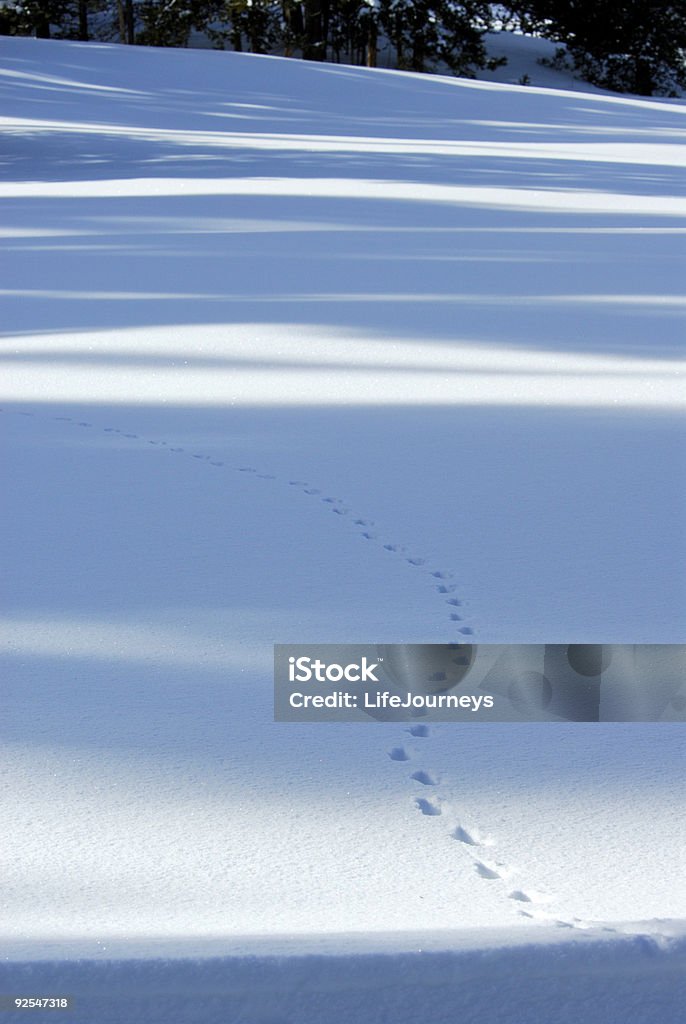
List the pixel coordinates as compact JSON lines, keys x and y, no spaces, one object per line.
{"x":634,"y":46}
{"x":420,"y":35}
{"x":34,"y":17}
{"x":426,"y":35}
{"x":354,"y":31}
{"x":251,"y":25}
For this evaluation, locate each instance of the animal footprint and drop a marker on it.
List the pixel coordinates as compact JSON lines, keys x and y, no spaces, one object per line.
{"x":539,"y":915}
{"x":486,"y":870}
{"x":454,"y":601}
{"x":520,"y":896}
{"x":446,"y":588}
{"x":440,"y":575}
{"x":455,"y":617}
{"x":467,"y":631}
{"x":421,"y":731}
{"x":312,"y":490}
{"x":369,"y":536}
{"x":398,"y":754}
{"x":425,"y":778}
{"x":428,"y":807}
{"x":416,"y":561}
{"x":463,"y":836}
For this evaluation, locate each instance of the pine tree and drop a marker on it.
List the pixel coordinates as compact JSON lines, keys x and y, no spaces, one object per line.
{"x":425,"y":35}
{"x":634,"y":46}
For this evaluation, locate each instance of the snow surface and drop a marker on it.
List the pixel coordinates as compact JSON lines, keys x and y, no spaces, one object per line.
{"x":270,"y":331}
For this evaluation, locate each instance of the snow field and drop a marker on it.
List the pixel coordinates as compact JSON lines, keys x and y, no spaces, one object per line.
{"x":315,"y":353}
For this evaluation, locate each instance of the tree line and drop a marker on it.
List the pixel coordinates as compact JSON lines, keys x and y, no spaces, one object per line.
{"x":636,"y":46}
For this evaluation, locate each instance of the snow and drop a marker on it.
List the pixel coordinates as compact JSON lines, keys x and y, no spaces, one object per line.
{"x":524,"y":55}
{"x":234,"y":287}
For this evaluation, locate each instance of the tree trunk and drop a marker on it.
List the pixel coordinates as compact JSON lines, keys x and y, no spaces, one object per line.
{"x":371,"y":44}
{"x":314,"y":47}
{"x":400,"y":58}
{"x":292,"y":16}
{"x":83,"y":20}
{"x":128,"y":19}
{"x":644,"y":84}
{"x":42,"y":25}
{"x":122,"y":21}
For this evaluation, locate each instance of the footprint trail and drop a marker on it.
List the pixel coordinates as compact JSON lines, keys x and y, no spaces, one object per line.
{"x":525,"y":901}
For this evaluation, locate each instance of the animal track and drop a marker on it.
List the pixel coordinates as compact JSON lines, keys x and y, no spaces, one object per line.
{"x":463,"y":836}
{"x":336,"y":503}
{"x":428,"y":807}
{"x":425,"y":778}
{"x":486,"y":870}
{"x":398,"y":754}
{"x":444,"y":580}
{"x":471,"y":839}
{"x":444,"y":585}
{"x":520,"y":896}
